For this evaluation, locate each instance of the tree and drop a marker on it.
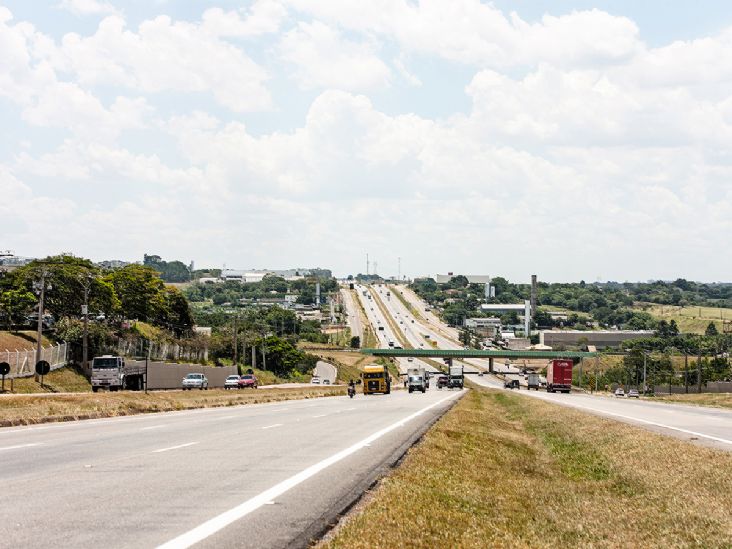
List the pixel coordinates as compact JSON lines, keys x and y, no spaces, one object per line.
{"x":711,"y":330}
{"x":355,"y":342}
{"x":140,"y":292}
{"x":15,"y":304}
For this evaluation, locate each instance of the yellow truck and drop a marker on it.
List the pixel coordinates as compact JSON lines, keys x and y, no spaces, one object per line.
{"x":376,"y":379}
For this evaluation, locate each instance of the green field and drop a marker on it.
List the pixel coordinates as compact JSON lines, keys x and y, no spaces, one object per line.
{"x":689,"y":319}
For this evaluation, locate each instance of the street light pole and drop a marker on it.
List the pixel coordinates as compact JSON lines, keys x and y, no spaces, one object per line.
{"x":39,"y":335}
{"x":644,"y":372}
{"x":85,"y":312}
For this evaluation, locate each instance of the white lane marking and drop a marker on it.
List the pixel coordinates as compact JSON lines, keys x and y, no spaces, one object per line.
{"x":153,"y":427}
{"x":221,"y":521}
{"x":349,"y":409}
{"x":633,"y":419}
{"x":174,"y":447}
{"x":321,"y":415}
{"x":20,"y":446}
{"x":647,"y":422}
{"x":272,"y":426}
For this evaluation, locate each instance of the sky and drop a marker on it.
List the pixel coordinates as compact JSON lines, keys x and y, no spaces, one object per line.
{"x":572,"y":139}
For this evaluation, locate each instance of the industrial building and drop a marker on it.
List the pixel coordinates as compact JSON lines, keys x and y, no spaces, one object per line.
{"x":484,"y":327}
{"x":598,"y":338}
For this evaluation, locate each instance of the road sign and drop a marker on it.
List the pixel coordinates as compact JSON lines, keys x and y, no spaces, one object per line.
{"x":4,"y":368}
{"x":42,"y":368}
{"x":84,"y":309}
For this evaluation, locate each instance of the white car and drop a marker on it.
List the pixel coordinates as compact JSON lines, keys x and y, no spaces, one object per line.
{"x":195,"y":381}
{"x":315,"y":380}
{"x":231,"y":382}
{"x":619,"y":392}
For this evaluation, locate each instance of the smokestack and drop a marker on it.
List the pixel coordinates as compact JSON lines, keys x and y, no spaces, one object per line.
{"x":317,"y":293}
{"x":527,"y":318}
{"x":533,"y":295}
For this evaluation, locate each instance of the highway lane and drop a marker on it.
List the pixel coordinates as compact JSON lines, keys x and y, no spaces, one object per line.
{"x":325,"y":370}
{"x":353,"y":317}
{"x":270,"y":475}
{"x":709,"y":426}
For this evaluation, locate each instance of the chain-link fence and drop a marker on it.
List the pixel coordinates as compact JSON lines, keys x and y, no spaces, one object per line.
{"x":23,"y":362}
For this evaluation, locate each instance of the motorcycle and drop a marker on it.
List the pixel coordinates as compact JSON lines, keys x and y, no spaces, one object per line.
{"x":351,"y":391}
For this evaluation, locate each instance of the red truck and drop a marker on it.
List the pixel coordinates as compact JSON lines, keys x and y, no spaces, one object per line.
{"x":559,"y":376}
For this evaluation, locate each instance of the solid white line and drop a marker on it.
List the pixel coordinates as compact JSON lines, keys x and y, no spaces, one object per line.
{"x":174,"y":447}
{"x":221,"y":521}
{"x":21,"y":446}
{"x":647,"y":422}
{"x":321,"y":415}
{"x":271,"y":426}
{"x":153,"y":427}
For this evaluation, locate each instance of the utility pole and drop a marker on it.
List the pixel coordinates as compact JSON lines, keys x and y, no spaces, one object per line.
{"x":399,"y":268}
{"x":686,"y":369}
{"x":85,"y":311}
{"x":236,"y":346}
{"x":644,"y":371}
{"x":39,"y":335}
{"x":367,"y":264}
{"x":699,"y":370}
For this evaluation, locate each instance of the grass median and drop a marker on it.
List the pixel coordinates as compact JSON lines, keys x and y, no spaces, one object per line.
{"x":30,"y":409}
{"x":504,"y":470}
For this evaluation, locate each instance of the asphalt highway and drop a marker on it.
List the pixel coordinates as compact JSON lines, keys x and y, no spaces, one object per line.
{"x":702,"y":425}
{"x":269,"y":475}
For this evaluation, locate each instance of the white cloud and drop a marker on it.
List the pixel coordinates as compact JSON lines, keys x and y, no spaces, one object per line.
{"x":474,"y":32}
{"x":264,"y":17}
{"x":166,"y":56}
{"x":325,"y":59}
{"x":88,"y":7}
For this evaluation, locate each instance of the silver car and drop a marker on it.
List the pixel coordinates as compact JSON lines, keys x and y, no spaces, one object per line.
{"x":231,"y":382}
{"x":195,"y":381}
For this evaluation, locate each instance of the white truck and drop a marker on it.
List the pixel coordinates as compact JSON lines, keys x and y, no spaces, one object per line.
{"x":417,"y":379}
{"x":533,"y":381}
{"x":111,"y":373}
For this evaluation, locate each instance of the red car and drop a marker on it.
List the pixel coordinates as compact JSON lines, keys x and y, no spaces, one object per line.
{"x":247,"y":380}
{"x":442,"y":381}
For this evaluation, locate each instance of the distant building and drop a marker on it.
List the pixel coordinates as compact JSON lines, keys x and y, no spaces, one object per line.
{"x":599,"y":338}
{"x":256,"y":275}
{"x":503,"y":308}
{"x":485,"y":327}
{"x":113,"y":264}
{"x":473,"y":279}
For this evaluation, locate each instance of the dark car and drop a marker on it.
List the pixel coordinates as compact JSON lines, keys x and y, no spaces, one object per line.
{"x":442,"y":381}
{"x":511,"y":384}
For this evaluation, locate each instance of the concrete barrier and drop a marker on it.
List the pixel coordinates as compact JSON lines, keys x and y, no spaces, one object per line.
{"x":164,"y":375}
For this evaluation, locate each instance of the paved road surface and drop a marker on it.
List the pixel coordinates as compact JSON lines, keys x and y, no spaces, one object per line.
{"x":709,"y":426}
{"x":326,"y":371}
{"x":270,"y":475}
{"x":353,"y":317}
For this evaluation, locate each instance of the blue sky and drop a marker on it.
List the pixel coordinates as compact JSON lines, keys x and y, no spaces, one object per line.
{"x":575,"y":139}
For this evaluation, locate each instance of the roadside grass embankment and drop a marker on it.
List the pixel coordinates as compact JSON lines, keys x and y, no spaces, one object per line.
{"x":28,"y":409}
{"x":501,"y":470}
{"x":64,"y":380}
{"x":715,"y":400}
{"x":20,"y":340}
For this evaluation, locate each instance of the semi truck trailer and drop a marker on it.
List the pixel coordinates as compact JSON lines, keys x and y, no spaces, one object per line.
{"x":559,"y":376}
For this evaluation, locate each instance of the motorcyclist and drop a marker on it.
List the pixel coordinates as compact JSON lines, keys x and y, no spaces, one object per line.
{"x":351,"y":388}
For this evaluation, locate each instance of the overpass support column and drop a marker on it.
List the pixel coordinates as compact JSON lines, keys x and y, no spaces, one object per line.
{"x":490,"y":365}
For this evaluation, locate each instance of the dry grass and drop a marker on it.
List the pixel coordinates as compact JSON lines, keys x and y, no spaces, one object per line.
{"x":63,"y":380}
{"x":28,"y":409}
{"x":505,"y":471}
{"x":21,"y":340}
{"x":689,"y":319}
{"x":716,"y":400}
